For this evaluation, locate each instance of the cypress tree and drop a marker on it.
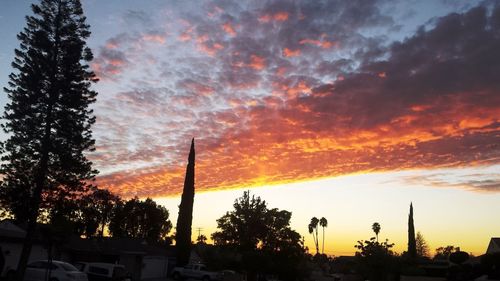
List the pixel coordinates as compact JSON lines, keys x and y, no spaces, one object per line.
{"x":48,"y":118}
{"x":412,"y":244}
{"x":185,"y":218}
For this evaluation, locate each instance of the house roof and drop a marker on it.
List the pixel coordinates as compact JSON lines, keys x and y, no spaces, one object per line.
{"x":116,"y":245}
{"x":496,"y":240}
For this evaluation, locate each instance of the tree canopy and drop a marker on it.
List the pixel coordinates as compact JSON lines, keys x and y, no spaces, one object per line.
{"x":47,"y":118}
{"x":263,"y":236}
{"x":140,"y":219}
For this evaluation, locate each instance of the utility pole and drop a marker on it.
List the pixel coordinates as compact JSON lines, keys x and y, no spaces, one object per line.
{"x":199,"y":229}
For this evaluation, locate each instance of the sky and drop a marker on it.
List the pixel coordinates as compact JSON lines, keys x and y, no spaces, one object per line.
{"x":347,"y":110}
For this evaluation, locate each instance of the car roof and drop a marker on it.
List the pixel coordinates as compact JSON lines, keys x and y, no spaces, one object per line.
{"x":105,"y":264}
{"x":53,"y":261}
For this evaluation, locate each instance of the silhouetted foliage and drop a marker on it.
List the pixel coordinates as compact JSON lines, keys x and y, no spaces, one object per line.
{"x":95,"y":211}
{"x":376,"y":228}
{"x":375,"y":260}
{"x":421,"y":245}
{"x":313,"y":229}
{"x":412,"y":247}
{"x":459,"y":257}
{"x":459,"y":271}
{"x":244,"y":227}
{"x":443,"y":253}
{"x":323,"y":223}
{"x":201,"y":239}
{"x":48,"y":117}
{"x":185,"y":218}
{"x":262,"y":236}
{"x":140,"y":219}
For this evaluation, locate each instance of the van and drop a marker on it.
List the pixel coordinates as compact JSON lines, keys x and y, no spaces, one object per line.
{"x":99,"y":271}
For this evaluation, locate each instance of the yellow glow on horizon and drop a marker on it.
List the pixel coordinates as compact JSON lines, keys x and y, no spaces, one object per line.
{"x":444,"y":215}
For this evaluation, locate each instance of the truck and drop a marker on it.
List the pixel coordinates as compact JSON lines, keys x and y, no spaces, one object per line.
{"x":195,"y":271}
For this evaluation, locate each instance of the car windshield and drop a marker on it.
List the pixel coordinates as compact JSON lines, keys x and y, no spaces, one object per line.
{"x":68,"y":267}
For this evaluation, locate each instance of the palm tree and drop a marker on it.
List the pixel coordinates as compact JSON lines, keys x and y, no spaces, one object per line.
{"x":323,"y":223}
{"x":376,"y":229}
{"x":313,"y":228}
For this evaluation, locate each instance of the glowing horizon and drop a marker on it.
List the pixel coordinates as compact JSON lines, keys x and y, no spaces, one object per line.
{"x":347,"y":227}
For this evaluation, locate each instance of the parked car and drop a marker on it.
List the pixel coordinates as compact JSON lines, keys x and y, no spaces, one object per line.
{"x":195,"y":271}
{"x":100,"y":271}
{"x":53,"y":271}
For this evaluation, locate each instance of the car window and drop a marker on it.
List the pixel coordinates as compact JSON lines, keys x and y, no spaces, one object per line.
{"x":42,"y":265}
{"x":47,"y":265}
{"x":68,"y":267}
{"x":37,"y":264}
{"x":98,"y":270}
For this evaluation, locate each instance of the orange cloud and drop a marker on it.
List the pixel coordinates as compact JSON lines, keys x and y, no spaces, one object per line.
{"x":279,"y":16}
{"x":209,"y":48}
{"x":320,"y":43}
{"x":290,"y":53}
{"x":156,"y":38}
{"x":228,"y":28}
{"x":111,"y":45}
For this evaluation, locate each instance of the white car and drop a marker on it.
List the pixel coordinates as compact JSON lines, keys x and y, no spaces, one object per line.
{"x":53,"y":271}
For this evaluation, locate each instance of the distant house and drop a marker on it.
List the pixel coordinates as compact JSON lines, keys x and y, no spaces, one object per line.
{"x":142,"y":259}
{"x":494,"y":246}
{"x":11,"y":241}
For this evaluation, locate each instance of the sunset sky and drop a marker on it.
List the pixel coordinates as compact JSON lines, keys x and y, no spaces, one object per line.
{"x":344,"y":109}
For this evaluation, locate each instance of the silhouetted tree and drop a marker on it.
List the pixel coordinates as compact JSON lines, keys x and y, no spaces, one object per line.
{"x":459,"y":257}
{"x":245,"y":226}
{"x":278,"y":236}
{"x":262,"y":236}
{"x":95,"y":210}
{"x":140,"y":219}
{"x":323,"y":223}
{"x":444,"y":253}
{"x":421,"y":245}
{"x":185,"y":218}
{"x":412,"y":247}
{"x":376,"y":228}
{"x":375,"y":260}
{"x":48,"y":116}
{"x":313,"y":229}
{"x":201,"y":239}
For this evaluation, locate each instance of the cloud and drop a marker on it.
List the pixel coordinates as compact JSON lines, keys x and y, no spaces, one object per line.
{"x":109,"y":62}
{"x":285,"y":91}
{"x":477,"y":182}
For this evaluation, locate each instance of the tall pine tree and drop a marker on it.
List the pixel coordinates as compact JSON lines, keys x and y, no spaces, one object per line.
{"x":48,"y":119}
{"x":185,"y":218}
{"x":412,"y":244}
